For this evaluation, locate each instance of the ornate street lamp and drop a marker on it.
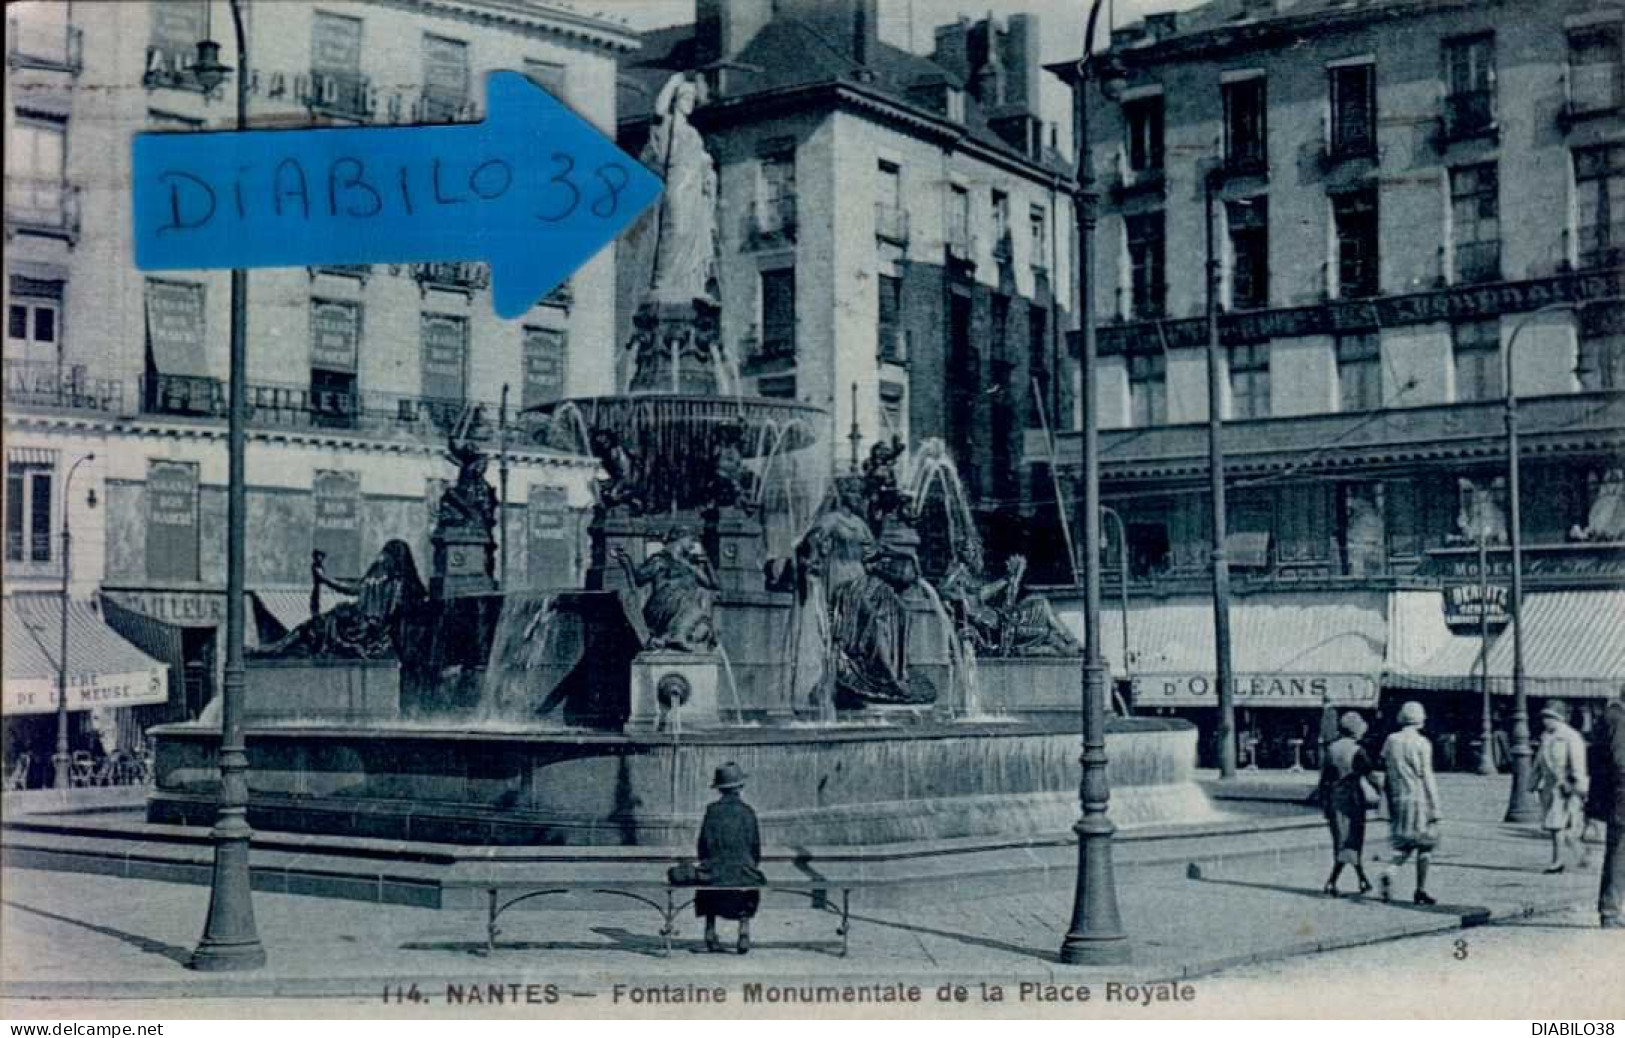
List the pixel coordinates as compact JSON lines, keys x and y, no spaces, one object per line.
{"x":230,"y":939}
{"x":1095,"y":936}
{"x":62,"y":760}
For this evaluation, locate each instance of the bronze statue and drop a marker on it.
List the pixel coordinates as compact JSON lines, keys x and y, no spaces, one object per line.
{"x":885,"y":501}
{"x":622,"y":487}
{"x":732,"y":484}
{"x":469,"y":504}
{"x":871,"y":625}
{"x":370,"y":628}
{"x":998,"y":617}
{"x":680,"y":613}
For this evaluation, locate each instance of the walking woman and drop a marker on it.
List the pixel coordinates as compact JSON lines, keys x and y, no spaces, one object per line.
{"x":1344,"y":781}
{"x":1562,"y":781}
{"x":1413,"y":799}
{"x":730,"y":850}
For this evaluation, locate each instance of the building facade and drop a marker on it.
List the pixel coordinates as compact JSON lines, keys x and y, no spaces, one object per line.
{"x":1402,"y":195}
{"x":356,"y":374}
{"x":894,"y":232}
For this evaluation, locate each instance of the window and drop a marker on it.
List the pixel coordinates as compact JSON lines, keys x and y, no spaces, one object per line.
{"x":1354,"y":216}
{"x":776,"y":192}
{"x":1469,"y":86}
{"x":1249,"y":223}
{"x":1038,"y":347}
{"x":891,"y":219}
{"x":890,"y":326}
{"x":1354,"y":109}
{"x":550,"y":76}
{"x":28,"y":511}
{"x":1475,"y":222}
{"x":335,"y":342}
{"x":1359,"y":371}
{"x":1038,"y":236}
{"x":1148,"y":388}
{"x":1146,"y":268}
{"x":34,"y":169}
{"x":1599,"y":183}
{"x":1596,"y":76}
{"x":445,"y":79}
{"x":1245,"y":125}
{"x":1001,"y":225}
{"x":778,"y":314}
{"x":999,"y":332}
{"x":964,"y":387}
{"x":546,"y":354}
{"x":1142,"y":123}
{"x":891,"y":410}
{"x":1250,"y":380}
{"x":1477,"y":349}
{"x":337,"y":85}
{"x":172,"y":46}
{"x":445,"y":362}
{"x":959,"y":220}
{"x":33,"y":317}
{"x":1602,"y":347}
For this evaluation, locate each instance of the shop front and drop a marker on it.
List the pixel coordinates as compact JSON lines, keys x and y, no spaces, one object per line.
{"x":110,"y":685}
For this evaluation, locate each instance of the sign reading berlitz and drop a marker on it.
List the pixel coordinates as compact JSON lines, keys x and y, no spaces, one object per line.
{"x":1257,"y":690}
{"x":1467,"y":605}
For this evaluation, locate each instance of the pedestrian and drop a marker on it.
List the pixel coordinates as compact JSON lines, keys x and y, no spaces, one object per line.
{"x":1345,"y":795}
{"x":730,"y":851}
{"x":1413,"y":799}
{"x":1608,"y":804}
{"x":1561,"y":780}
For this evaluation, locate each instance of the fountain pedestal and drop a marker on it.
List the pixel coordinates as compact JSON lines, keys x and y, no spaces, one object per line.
{"x":676,"y":346}
{"x":674,"y":691}
{"x":460,"y":558}
{"x":615,"y":529}
{"x":734,"y":540}
{"x":351,"y":691}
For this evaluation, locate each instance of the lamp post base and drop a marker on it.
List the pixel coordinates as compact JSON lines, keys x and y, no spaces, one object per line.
{"x":1522,"y":807}
{"x":230,"y":941}
{"x":61,"y":770}
{"x":1095,"y":936}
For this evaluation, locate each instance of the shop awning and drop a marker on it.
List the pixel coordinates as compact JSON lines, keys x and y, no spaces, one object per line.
{"x":1301,"y":649}
{"x":1574,"y":645}
{"x":289,"y":609}
{"x":104,"y":670}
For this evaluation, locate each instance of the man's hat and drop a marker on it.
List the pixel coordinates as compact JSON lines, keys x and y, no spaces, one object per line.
{"x":729,"y":776}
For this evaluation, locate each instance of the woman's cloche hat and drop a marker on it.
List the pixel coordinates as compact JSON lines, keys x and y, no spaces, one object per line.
{"x":729,"y":776}
{"x":1556,"y":709}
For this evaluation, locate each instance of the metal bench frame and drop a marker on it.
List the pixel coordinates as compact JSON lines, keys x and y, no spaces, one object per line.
{"x":668,"y":909}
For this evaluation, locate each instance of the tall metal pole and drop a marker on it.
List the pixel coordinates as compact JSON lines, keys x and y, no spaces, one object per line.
{"x":1222,"y":675}
{"x":502,"y":480}
{"x":1095,"y":935}
{"x":1486,"y":756}
{"x":1521,"y":806}
{"x":1122,"y":574}
{"x":230,"y":939}
{"x":62,"y":760}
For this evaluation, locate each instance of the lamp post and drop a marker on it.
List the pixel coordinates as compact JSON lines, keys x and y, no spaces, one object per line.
{"x":230,"y":940}
{"x":1486,"y":755}
{"x":1222,"y":670}
{"x":62,"y":760}
{"x":1095,"y":935}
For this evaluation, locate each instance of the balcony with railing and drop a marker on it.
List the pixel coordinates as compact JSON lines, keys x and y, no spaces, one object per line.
{"x":340,"y":95}
{"x":960,"y":243}
{"x":891,"y":223}
{"x":44,"y":206}
{"x":186,"y":396}
{"x":1468,"y":114}
{"x":57,"y":387}
{"x":770,"y":349}
{"x":1004,"y":247}
{"x":1245,"y":157}
{"x":773,"y":219}
{"x":54,"y":48}
{"x":467,"y":278}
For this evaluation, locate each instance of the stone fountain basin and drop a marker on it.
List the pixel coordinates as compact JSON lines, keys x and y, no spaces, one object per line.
{"x":840,"y":785}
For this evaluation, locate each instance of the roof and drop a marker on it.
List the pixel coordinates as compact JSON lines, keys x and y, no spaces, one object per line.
{"x":789,"y":54}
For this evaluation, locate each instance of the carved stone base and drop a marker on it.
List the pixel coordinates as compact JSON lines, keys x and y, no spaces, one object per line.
{"x":734,"y":542}
{"x":674,"y":691}
{"x":460,"y":564}
{"x":676,"y":347}
{"x":322,"y":690}
{"x":610,"y":531}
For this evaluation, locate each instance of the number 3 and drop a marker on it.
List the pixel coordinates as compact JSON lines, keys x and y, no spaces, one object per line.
{"x":563,"y":177}
{"x":1461,"y":949}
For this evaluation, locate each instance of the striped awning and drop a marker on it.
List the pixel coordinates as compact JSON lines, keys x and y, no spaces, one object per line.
{"x":1574,"y":645}
{"x":104,"y":670}
{"x":289,"y":609}
{"x":1287,"y":649}
{"x":31,"y":456}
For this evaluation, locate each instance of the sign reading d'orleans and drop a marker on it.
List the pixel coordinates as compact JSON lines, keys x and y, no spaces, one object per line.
{"x":1255,"y":690}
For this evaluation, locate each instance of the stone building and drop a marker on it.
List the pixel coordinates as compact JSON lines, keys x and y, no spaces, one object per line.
{"x":894,"y":232}
{"x":355,"y":373}
{"x":1404,"y":193}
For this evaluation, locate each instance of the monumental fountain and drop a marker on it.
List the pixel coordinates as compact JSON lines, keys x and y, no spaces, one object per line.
{"x":733,"y":610}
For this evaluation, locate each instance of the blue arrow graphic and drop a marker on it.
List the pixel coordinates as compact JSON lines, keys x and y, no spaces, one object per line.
{"x":534,"y":190}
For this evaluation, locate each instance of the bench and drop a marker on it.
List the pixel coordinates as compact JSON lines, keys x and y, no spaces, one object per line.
{"x":664,"y":897}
